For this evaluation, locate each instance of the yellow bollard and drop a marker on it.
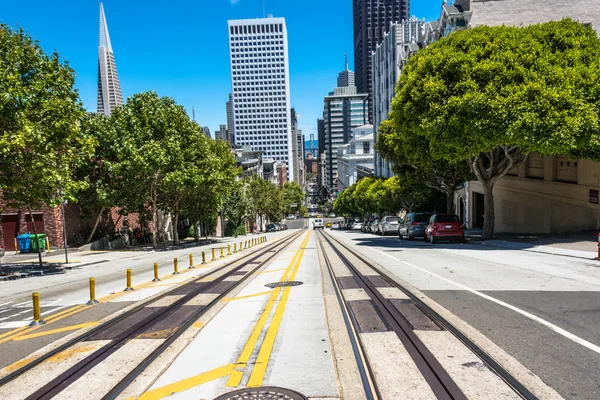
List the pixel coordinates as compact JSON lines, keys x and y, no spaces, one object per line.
{"x":222,"y":253}
{"x":191,"y":262}
{"x":241,"y":246}
{"x":235,"y":247}
{"x":175,"y":267}
{"x":156,"y":278}
{"x":37,"y":317}
{"x":246,"y":244}
{"x":16,"y":247}
{"x":92,"y":293}
{"x":47,"y":245}
{"x":213,"y":254}
{"x":129,"y":287}
{"x":228,"y":249}
{"x":203,"y":258}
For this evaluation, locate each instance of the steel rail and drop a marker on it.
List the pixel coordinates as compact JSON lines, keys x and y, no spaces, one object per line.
{"x":440,"y":382}
{"x":129,"y":378}
{"x":247,"y":259}
{"x":367,"y":376}
{"x":492,"y":364}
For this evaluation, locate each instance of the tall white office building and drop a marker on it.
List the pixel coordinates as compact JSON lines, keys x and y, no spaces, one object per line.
{"x":260,"y":84}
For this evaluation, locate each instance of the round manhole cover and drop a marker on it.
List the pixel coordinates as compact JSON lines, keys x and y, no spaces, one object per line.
{"x":270,"y":393}
{"x":283,"y":284}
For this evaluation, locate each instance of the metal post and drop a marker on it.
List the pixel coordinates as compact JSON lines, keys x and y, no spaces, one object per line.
{"x":156,"y":278}
{"x":47,"y":245}
{"x":203,"y":258}
{"x":16,"y":246}
{"x":598,"y":258}
{"x":129,"y":287}
{"x":175,"y":267}
{"x":37,"y":318}
{"x":235,"y":247}
{"x":92,"y":292}
{"x":191,"y":262}
{"x":213,"y":254}
{"x":62,"y":207}
{"x":228,"y":249}
{"x":221,"y":253}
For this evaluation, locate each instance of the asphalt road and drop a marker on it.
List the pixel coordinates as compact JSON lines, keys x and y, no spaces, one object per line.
{"x":542,"y":309}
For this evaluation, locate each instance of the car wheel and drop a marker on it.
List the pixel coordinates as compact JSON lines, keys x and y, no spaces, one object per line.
{"x":431,"y":239}
{"x":410,"y":237}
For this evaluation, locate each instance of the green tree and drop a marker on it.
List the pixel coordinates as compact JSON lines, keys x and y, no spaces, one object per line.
{"x":404,"y":192}
{"x":152,"y":138}
{"x":293,"y":196}
{"x":492,"y":95}
{"x":40,"y":140}
{"x":236,"y":205}
{"x":412,"y":155}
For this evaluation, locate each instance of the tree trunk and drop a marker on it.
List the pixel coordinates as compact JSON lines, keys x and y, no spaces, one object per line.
{"x":95,"y":226}
{"x":450,"y":203}
{"x":196,"y":233}
{"x":175,"y":233}
{"x":36,"y":235}
{"x":154,"y":220}
{"x":489,"y":217}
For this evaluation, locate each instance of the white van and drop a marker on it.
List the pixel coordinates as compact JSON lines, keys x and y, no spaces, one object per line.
{"x":318,"y":224}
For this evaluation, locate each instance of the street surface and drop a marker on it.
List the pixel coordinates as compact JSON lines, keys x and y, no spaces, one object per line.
{"x":538,"y":314}
{"x":544,"y":310}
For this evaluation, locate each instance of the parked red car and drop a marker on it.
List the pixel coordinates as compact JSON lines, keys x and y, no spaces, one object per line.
{"x":444,"y":227}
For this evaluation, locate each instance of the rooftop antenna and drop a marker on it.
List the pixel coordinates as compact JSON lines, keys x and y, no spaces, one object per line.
{"x":194,"y":113}
{"x":346,"y":57}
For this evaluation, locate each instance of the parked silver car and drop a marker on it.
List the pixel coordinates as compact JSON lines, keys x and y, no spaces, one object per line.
{"x":388,"y":225}
{"x":357,"y":226}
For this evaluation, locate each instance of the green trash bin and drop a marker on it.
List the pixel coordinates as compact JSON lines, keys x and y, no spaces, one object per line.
{"x":41,"y":242}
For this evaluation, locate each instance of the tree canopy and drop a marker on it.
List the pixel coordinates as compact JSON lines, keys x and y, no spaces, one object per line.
{"x":492,"y":95}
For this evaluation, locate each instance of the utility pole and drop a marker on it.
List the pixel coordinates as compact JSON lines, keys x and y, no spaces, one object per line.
{"x":62,"y":207}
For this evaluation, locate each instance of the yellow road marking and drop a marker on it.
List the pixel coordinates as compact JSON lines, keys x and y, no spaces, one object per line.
{"x":247,"y":296}
{"x":255,"y":335}
{"x":198,"y":324}
{"x":53,"y":331}
{"x":68,"y":310}
{"x":262,"y":361}
{"x":63,"y":355}
{"x":190,"y":383}
{"x":272,"y":270}
{"x":15,"y":366}
{"x":12,"y":331}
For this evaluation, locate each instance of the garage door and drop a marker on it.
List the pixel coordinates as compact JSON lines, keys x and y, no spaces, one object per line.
{"x":39,"y":223}
{"x":10,"y":230}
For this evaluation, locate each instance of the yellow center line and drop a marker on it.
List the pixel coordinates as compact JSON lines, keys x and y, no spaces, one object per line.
{"x":255,"y":335}
{"x":246,"y":296}
{"x":271,"y":270}
{"x":262,"y":361}
{"x":53,"y":331}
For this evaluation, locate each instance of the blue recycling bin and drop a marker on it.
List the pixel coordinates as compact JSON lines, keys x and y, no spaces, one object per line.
{"x":24,"y":243}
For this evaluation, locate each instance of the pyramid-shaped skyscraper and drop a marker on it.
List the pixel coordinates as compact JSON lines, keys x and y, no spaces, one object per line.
{"x":109,"y":87}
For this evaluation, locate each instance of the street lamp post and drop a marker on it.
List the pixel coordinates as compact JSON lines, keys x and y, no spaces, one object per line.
{"x":62,"y":207}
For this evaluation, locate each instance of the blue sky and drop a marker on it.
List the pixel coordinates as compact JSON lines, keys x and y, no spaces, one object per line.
{"x":179,"y":48}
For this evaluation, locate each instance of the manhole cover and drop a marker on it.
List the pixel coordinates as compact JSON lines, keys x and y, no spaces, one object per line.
{"x":283,"y":284}
{"x":262,"y":393}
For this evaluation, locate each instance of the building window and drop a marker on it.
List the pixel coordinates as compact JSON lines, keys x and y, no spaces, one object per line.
{"x":366,"y":147}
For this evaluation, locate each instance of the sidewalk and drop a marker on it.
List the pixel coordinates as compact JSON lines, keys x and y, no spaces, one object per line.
{"x":578,"y":244}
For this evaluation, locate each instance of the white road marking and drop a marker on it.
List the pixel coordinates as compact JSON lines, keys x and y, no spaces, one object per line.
{"x":533,"y":317}
{"x":22,"y":304}
{"x":54,"y":309}
{"x":3,"y":304}
{"x":14,"y":315}
{"x":14,"y":324}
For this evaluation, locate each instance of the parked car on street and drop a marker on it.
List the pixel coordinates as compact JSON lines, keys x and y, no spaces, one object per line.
{"x":357,"y":226}
{"x":277,"y":226}
{"x":374,"y":226}
{"x":444,"y":227}
{"x":366,"y":226}
{"x":284,"y":227}
{"x":413,"y":225}
{"x":335,"y":225}
{"x":271,"y":228}
{"x":328,"y":224}
{"x":318,"y":224}
{"x":388,"y":225}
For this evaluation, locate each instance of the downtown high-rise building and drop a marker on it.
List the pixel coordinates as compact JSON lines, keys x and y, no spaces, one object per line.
{"x":109,"y":87}
{"x":344,"y":109}
{"x":372,"y":20}
{"x":230,"y":132}
{"x":260,"y":87}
